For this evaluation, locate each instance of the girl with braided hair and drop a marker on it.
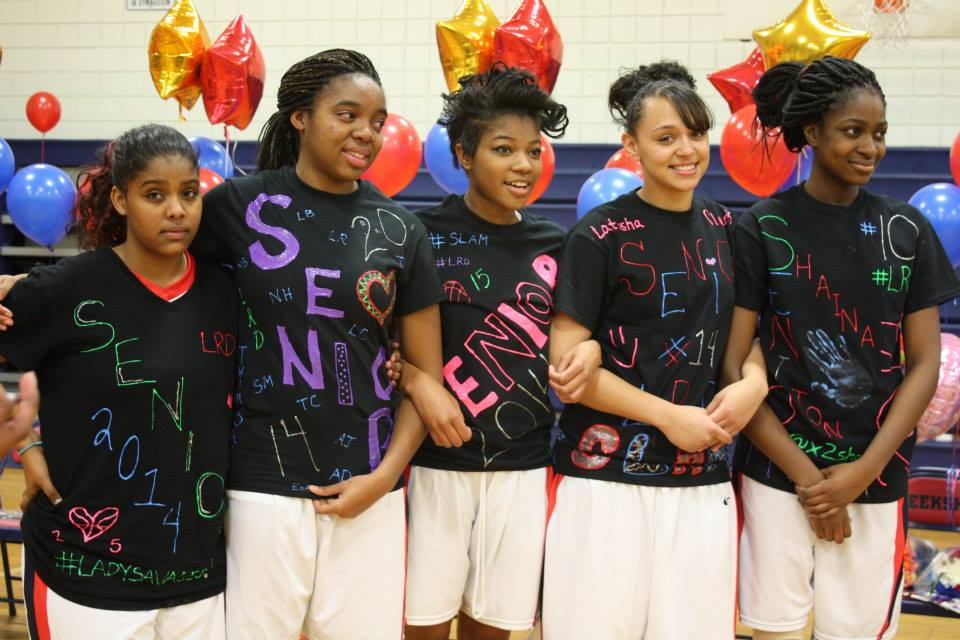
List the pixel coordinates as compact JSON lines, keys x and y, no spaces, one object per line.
{"x":125,"y":540}
{"x":326,"y":265}
{"x":643,"y":501}
{"x":843,"y":281}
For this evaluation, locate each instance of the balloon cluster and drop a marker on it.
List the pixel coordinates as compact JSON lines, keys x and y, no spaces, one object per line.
{"x":40,"y":198}
{"x":228,"y":73}
{"x":470,"y":43}
{"x":809,"y":32}
{"x":940,"y":202}
{"x":473,"y":39}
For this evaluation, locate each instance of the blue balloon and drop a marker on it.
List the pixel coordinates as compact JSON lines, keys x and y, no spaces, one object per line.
{"x":7,"y":166}
{"x":940,"y":202}
{"x":41,"y":199}
{"x":603,"y":186}
{"x":211,"y":155}
{"x":802,"y":173}
{"x":439,"y":160}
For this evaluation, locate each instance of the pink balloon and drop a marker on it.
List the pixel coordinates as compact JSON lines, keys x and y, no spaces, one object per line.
{"x":944,"y":409}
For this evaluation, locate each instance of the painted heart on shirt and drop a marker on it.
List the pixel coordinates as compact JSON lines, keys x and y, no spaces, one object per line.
{"x":377,"y":293}
{"x":93,"y":526}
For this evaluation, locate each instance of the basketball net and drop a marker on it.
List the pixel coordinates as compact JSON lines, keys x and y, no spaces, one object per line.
{"x":886,"y":20}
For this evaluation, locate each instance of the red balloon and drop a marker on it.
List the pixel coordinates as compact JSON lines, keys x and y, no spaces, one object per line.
{"x":736,"y":83}
{"x":955,"y":159}
{"x":623,"y":160}
{"x":399,"y":159}
{"x":529,"y":39}
{"x":43,"y":111}
{"x":208,"y":180}
{"x":232,"y":76}
{"x":746,"y":158}
{"x":548,"y":161}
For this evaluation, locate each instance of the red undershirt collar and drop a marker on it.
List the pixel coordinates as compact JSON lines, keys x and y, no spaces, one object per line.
{"x":175,"y":289}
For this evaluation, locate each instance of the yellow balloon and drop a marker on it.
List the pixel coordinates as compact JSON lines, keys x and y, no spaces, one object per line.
{"x":177,"y":46}
{"x":809,"y":32}
{"x":465,"y":41}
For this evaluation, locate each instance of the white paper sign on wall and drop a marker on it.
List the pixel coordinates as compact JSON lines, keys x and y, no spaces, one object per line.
{"x":149,"y":5}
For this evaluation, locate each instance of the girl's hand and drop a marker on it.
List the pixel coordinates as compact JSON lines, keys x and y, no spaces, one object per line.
{"x":438,"y":410}
{"x":735,"y":404}
{"x":37,"y":477}
{"x":691,"y":429}
{"x":394,"y":366}
{"x":841,"y":485}
{"x":835,"y":528}
{"x":6,"y":284}
{"x":575,"y":371}
{"x":350,"y":498}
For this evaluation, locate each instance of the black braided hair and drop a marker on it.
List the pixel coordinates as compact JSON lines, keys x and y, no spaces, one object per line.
{"x":792,"y":95}
{"x":667,"y":79}
{"x":98,"y":223}
{"x":279,"y":141}
{"x":484,"y":97}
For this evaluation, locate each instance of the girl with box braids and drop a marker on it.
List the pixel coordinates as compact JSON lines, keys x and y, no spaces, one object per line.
{"x":837,"y":518}
{"x":279,"y":142}
{"x":791,"y":95}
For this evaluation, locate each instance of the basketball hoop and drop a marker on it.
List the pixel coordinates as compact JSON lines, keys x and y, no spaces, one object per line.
{"x":887,"y":20}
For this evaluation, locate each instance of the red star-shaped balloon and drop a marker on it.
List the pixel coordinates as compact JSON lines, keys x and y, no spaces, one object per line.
{"x":736,"y":83}
{"x":530,"y":40}
{"x":232,"y":76}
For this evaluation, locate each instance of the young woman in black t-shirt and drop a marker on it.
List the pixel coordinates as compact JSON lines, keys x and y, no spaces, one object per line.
{"x":477,"y":512}
{"x":133,"y":343}
{"x":326,"y":265}
{"x":843,"y":281}
{"x":643,"y":502}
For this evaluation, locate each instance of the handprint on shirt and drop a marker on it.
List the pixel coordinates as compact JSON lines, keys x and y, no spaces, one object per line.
{"x":621,"y":345}
{"x":847,"y":381}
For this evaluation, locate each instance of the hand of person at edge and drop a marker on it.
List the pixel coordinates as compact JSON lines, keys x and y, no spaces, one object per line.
{"x":833,"y":528}
{"x":841,"y":485}
{"x":16,"y":416}
{"x":6,"y":284}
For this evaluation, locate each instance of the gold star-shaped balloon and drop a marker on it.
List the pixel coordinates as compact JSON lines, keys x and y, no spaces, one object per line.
{"x":465,"y":41}
{"x":176,"y":50}
{"x":810,"y":31}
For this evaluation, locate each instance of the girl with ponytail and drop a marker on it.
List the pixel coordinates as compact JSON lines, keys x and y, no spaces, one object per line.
{"x":125,"y":539}
{"x":329,"y":268}
{"x":641,"y":461}
{"x":843,"y":281}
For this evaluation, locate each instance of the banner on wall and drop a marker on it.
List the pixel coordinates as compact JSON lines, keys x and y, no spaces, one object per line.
{"x":926,"y":19}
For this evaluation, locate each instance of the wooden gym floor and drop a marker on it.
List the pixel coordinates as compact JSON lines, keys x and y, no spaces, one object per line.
{"x":911,"y":627}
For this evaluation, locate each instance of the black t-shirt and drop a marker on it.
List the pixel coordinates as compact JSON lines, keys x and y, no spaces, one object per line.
{"x":655,"y":287}
{"x":135,"y":413}
{"x":322,"y":277}
{"x":832,"y":285}
{"x":498,"y":285}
